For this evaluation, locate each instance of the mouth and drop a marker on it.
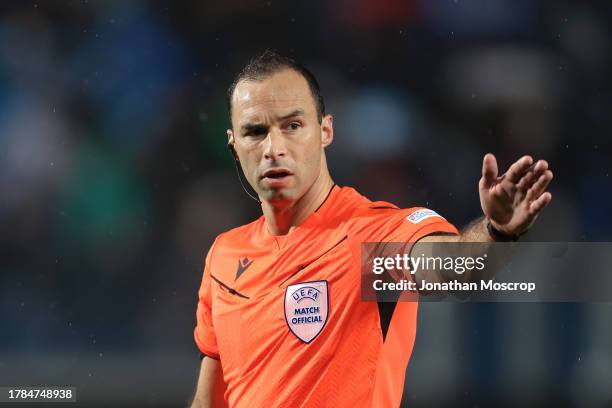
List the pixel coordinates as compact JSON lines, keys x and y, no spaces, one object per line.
{"x":276,"y":173}
{"x":278,"y":177}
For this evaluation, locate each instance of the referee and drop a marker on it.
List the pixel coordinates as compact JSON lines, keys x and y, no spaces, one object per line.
{"x":280,"y":322}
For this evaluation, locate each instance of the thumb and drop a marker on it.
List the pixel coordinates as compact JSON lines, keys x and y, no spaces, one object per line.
{"x":489,"y":170}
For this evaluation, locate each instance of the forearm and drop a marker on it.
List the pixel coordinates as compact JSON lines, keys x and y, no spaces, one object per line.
{"x":474,"y":242}
{"x":476,"y":231}
{"x":210,"y":388}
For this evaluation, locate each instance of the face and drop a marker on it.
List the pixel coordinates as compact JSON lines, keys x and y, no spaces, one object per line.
{"x":277,"y":136}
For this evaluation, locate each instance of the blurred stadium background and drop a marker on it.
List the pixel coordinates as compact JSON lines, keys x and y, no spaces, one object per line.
{"x":115,"y":177}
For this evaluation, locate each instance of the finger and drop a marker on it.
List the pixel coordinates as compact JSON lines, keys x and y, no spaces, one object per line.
{"x":532,"y":175}
{"x":538,"y":205}
{"x":539,"y":186}
{"x":489,"y":170}
{"x":541,"y":166}
{"x":518,"y":169}
{"x":526,"y":182}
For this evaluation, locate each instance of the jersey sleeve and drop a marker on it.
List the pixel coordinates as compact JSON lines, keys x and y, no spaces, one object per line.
{"x":204,"y":333}
{"x":392,"y":224}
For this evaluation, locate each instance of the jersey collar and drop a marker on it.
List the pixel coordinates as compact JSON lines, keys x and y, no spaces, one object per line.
{"x":305,"y":228}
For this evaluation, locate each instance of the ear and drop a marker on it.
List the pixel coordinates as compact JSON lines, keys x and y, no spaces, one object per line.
{"x":327,"y":130}
{"x":230,"y":144}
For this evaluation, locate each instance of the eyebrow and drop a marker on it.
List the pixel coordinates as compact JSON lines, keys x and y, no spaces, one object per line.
{"x":297,"y":112}
{"x":247,"y":127}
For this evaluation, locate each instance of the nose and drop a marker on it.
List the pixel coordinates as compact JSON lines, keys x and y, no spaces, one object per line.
{"x":274,"y":145}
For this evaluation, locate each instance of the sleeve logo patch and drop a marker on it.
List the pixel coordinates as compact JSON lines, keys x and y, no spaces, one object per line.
{"x":420,"y":215}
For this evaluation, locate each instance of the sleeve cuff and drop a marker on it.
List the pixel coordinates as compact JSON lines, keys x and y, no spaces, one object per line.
{"x":202,"y":355}
{"x":203,"y":347}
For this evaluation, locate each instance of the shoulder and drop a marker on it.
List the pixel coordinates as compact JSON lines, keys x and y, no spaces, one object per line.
{"x":353,"y":204}
{"x":364,"y":209}
{"x":379,"y":220}
{"x":382,"y":212}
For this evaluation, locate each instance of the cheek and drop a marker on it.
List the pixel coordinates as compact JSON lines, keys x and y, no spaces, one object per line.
{"x":249,"y":165}
{"x":312,"y":163}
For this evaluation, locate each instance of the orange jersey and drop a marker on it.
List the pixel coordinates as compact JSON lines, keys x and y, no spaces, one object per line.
{"x":284,"y":314}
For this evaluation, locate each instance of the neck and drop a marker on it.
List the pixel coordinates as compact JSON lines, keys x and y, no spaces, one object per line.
{"x":280,"y":220}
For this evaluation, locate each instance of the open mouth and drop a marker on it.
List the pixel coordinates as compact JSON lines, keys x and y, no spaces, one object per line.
{"x":276,"y":173}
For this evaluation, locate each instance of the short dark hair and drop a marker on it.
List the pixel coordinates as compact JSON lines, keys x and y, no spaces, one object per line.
{"x":269,"y":63}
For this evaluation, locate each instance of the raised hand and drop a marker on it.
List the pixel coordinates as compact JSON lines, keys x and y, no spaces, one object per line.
{"x":514,"y":200}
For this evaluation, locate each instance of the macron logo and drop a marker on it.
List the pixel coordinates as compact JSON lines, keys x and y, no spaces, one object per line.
{"x":243,"y":265}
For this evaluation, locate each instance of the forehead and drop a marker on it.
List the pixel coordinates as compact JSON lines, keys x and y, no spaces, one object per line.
{"x":276,"y":95}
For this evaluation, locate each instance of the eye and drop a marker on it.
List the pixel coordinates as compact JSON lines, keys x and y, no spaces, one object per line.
{"x":294,"y":126}
{"x":257,"y":131}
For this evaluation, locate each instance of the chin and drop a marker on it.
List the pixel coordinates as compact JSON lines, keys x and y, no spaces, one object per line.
{"x":279,"y":196}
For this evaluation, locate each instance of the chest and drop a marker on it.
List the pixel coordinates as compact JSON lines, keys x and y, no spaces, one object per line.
{"x":285,"y":303}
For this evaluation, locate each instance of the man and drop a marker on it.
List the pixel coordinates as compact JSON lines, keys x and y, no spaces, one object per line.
{"x":280,"y":321}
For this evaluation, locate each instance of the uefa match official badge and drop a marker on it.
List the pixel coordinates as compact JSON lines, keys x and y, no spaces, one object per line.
{"x":306,"y":309}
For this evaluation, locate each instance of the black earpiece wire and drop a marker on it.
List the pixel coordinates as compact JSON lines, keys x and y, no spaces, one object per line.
{"x":241,"y":175}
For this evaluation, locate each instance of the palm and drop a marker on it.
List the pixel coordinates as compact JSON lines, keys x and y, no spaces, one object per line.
{"x":514,"y":200}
